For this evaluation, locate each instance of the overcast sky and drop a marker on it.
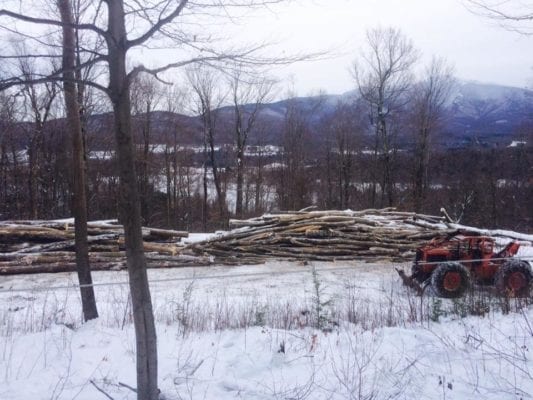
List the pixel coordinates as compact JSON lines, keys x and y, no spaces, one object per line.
{"x":479,"y":49}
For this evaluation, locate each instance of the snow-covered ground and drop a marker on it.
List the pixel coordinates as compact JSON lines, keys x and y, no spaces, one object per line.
{"x":276,"y":331}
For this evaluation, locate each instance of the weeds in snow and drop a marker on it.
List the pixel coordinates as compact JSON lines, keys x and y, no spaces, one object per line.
{"x":325,"y":305}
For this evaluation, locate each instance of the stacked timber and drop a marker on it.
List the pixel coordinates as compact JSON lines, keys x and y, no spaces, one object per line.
{"x":48,"y":246}
{"x":368,"y":235}
{"x":385,"y":235}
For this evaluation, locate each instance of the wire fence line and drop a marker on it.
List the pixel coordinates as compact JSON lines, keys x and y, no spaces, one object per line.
{"x":232,"y":276}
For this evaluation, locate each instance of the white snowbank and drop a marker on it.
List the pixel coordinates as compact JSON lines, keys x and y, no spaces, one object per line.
{"x":46,"y":353}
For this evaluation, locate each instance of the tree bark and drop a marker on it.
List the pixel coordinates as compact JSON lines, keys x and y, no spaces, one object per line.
{"x":145,"y":178}
{"x":221,"y":197}
{"x":79,"y":196}
{"x":130,"y":211}
{"x":240,"y":173}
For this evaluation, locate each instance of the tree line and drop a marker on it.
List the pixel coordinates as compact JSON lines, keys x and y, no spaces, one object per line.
{"x":379,"y":147}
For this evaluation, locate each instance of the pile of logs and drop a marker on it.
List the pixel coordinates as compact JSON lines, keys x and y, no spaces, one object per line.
{"x":385,"y":235}
{"x":48,"y":246}
{"x":368,"y":235}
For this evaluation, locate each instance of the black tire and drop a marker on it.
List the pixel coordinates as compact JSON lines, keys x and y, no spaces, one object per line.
{"x":450,"y":280}
{"x":514,"y":278}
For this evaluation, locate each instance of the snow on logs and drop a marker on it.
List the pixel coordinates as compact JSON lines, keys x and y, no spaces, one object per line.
{"x":368,"y":235}
{"x":48,"y":246}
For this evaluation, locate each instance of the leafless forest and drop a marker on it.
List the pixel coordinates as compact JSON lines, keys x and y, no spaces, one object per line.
{"x":209,"y":151}
{"x":215,"y":146}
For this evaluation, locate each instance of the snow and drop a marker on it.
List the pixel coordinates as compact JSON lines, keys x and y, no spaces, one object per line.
{"x":21,"y":156}
{"x":193,"y":179}
{"x":517,"y":143}
{"x":502,"y":236}
{"x":247,"y":332}
{"x":197,"y":237}
{"x":101,"y":155}
{"x":392,"y":363}
{"x":275,"y":165}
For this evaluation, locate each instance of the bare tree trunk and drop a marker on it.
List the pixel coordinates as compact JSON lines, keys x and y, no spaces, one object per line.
{"x":421,"y":156}
{"x":240,"y":177}
{"x":205,"y":208}
{"x":3,"y":174}
{"x":387,"y":181}
{"x":146,"y":155}
{"x":16,"y":179}
{"x":168,"y":181}
{"x":221,"y":197}
{"x":240,"y":139}
{"x":79,"y":196}
{"x":258,"y":206}
{"x":130,"y":212}
{"x":31,"y":180}
{"x":175,"y":179}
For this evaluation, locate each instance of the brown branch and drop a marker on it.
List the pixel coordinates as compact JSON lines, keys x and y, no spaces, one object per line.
{"x":56,"y":76}
{"x":162,"y":21}
{"x":495,"y":13}
{"x":195,"y":60}
{"x":47,"y":21}
{"x":101,"y":390}
{"x":18,"y":57}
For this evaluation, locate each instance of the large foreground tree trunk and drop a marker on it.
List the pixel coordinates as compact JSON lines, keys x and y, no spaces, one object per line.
{"x":130,"y":211}
{"x":79,"y":196}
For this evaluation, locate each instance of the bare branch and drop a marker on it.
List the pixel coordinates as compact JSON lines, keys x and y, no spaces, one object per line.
{"x":512,"y":16}
{"x":244,"y":57}
{"x":55,"y":76}
{"x":101,"y":390}
{"x":53,"y":22}
{"x":162,"y":21}
{"x":496,"y":11}
{"x":19,"y":56}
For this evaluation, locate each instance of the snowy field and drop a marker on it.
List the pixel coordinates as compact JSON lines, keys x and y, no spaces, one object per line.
{"x":275,"y":331}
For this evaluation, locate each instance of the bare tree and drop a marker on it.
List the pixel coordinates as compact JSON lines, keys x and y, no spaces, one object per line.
{"x":345,"y":129}
{"x":247,"y":96}
{"x":39,"y":99}
{"x":208,"y":100}
{"x":427,"y":108}
{"x":295,"y":184}
{"x":79,"y":180}
{"x":8,"y":156}
{"x":178,"y":177}
{"x":145,"y":94}
{"x":383,"y":76}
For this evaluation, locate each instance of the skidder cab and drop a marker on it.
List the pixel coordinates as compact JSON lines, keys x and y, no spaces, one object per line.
{"x":453,"y":263}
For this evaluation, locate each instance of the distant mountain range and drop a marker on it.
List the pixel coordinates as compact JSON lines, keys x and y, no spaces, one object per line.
{"x":478,"y":114}
{"x":489,"y":114}
{"x":482,"y":114}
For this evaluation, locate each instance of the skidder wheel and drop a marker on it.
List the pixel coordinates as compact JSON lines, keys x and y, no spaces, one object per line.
{"x":450,"y":280}
{"x":514,"y":278}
